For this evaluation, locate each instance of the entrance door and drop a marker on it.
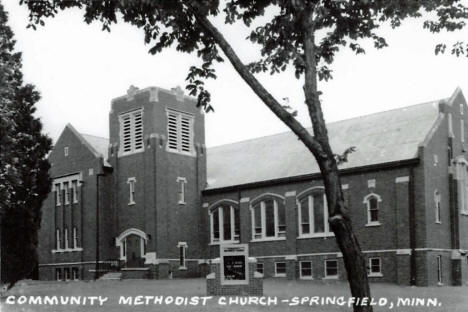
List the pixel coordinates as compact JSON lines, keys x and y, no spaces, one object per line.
{"x":133,"y":244}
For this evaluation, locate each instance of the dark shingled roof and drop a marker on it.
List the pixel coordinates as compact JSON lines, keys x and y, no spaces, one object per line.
{"x":379,"y":138}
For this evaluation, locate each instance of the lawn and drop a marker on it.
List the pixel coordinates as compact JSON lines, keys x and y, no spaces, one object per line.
{"x":188,"y":291}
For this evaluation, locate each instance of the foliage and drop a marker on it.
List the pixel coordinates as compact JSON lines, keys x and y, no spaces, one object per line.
{"x":343,"y":23}
{"x":24,"y":180}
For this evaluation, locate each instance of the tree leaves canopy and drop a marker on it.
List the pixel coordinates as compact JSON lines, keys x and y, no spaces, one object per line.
{"x":24,"y":179}
{"x":341,"y":23}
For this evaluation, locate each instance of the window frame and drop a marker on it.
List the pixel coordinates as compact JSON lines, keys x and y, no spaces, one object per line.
{"x":58,"y":194}
{"x":325,"y":266}
{"x":277,"y":201}
{"x":439,"y":269}
{"x":234,"y":209}
{"x":181,"y":193}
{"x":178,"y":146}
{"x":131,"y":190}
{"x":261,"y":266}
{"x":438,"y":209}
{"x":367,"y":203}
{"x":75,"y":274}
{"x":74,"y":184}
{"x":462,"y":177}
{"x":301,"y":276}
{"x":66,"y":151}
{"x":276,"y":269}
{"x":182,"y":255}
{"x":309,"y":194}
{"x":58,"y":241}
{"x":370,"y":273}
{"x":75,"y":237}
{"x":66,"y":187}
{"x":65,"y":238}
{"x":58,"y":274}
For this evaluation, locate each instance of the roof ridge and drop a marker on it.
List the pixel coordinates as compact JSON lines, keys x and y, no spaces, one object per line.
{"x":328,"y":123}
{"x":92,"y":135}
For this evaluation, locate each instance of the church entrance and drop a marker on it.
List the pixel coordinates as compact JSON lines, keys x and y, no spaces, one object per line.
{"x":132,"y":244}
{"x":134,"y":253}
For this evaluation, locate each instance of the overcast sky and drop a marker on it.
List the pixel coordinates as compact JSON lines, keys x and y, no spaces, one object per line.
{"x":78,"y":69}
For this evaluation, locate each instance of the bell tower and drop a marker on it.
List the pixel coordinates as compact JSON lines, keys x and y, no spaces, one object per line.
{"x":157,"y":150}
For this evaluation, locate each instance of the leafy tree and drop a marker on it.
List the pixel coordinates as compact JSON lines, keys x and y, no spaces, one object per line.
{"x":24,"y":179}
{"x":302,"y":34}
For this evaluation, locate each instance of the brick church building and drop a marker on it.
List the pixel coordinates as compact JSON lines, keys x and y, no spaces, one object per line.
{"x":153,"y":202}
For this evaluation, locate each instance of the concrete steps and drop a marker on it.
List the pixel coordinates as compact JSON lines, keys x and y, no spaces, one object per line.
{"x":111,"y":276}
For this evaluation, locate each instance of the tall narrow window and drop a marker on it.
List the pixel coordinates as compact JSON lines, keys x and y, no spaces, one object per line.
{"x":225,"y":222}
{"x":74,"y":191}
{"x":179,"y":132}
{"x":462,"y":130}
{"x":439,"y":270}
{"x":131,"y":190}
{"x":57,"y":239}
{"x":181,"y":181}
{"x":67,"y":192}
{"x":268,"y":218}
{"x":75,"y":238}
{"x":462,"y":175}
{"x":372,"y":204}
{"x":58,"y":194}
{"x":65,"y":151}
{"x":437,"y":206}
{"x":131,"y":132}
{"x":182,"y":254}
{"x":313,"y":214}
{"x":65,"y":237}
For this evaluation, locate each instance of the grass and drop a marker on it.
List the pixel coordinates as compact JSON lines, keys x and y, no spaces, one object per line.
{"x":451,"y":299}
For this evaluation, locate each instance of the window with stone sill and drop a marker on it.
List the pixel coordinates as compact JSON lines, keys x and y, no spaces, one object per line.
{"x":305,"y":269}
{"x":280,"y":269}
{"x":313,"y":213}
{"x":331,"y":268}
{"x":372,"y":202}
{"x":225,"y":222}
{"x":259,"y":268}
{"x":375,"y":267}
{"x":268,"y":217}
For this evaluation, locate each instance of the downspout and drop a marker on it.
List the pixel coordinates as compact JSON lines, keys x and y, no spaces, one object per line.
{"x":96,"y":271}
{"x":412,"y":229}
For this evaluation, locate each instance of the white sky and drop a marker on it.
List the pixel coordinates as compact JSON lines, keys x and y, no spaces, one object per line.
{"x":78,"y":69}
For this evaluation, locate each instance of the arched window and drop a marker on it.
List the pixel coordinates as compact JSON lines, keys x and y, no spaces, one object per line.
{"x":437,"y":206}
{"x":225,"y":222}
{"x":268,"y":217}
{"x":313,"y":213}
{"x":372,"y":203}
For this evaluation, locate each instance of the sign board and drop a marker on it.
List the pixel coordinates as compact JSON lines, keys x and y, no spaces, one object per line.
{"x":234,"y":264}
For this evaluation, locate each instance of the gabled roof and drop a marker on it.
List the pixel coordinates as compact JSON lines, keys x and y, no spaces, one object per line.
{"x":383,"y":137}
{"x":97,"y":145}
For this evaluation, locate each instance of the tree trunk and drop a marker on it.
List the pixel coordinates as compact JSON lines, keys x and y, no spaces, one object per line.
{"x":339,"y":220}
{"x":320,"y":148}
